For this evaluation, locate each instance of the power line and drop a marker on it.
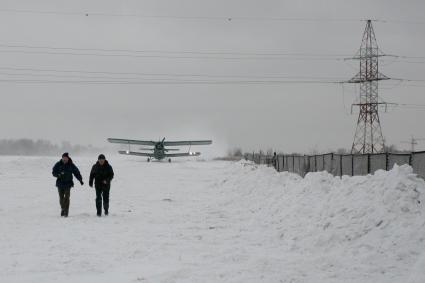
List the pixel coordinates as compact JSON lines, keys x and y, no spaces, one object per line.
{"x":395,"y":21}
{"x":173,"y":52}
{"x":187,"y":54}
{"x":273,"y":53}
{"x":99,"y":80}
{"x":408,"y":59}
{"x":408,"y":80}
{"x":118,"y":82}
{"x":207,"y":18}
{"x":414,"y":85}
{"x":409,"y":105}
{"x":172,"y":57}
{"x":176,"y":17}
{"x":414,"y":80}
{"x":165,"y":76}
{"x":67,"y":73}
{"x":414,"y":62}
{"x":412,"y":57}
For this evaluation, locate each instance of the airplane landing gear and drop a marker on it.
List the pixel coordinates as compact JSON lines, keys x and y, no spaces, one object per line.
{"x":149,"y":160}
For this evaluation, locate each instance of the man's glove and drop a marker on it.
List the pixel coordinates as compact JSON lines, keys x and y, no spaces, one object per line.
{"x":81,"y":182}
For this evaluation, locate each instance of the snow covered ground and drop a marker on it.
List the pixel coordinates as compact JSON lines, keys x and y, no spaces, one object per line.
{"x":214,"y":221}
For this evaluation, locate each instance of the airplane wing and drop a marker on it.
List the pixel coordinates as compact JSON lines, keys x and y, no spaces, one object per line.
{"x":125,"y":141}
{"x":178,"y":143}
{"x":182,"y":154}
{"x":135,"y":153}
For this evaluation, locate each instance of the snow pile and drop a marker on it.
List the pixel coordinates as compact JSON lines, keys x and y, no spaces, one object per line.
{"x":359,"y":229}
{"x":211,"y":222}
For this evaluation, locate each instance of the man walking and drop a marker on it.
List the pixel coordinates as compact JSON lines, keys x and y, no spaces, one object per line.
{"x":64,"y":170}
{"x":102,"y":174}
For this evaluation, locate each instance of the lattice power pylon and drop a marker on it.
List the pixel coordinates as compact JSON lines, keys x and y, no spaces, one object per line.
{"x":368,"y":137}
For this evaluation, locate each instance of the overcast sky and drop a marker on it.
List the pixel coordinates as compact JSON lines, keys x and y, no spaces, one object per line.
{"x":287,"y":117}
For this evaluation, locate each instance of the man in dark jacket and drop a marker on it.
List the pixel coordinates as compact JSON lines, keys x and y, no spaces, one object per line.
{"x":102,"y":174}
{"x":64,"y":170}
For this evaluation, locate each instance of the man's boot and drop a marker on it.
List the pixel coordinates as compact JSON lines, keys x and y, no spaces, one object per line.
{"x":67,"y":194}
{"x":99,"y":208}
{"x":106,"y":200}
{"x":106,"y":205}
{"x":62,"y":213}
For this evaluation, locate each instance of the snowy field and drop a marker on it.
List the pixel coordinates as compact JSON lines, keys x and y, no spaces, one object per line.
{"x":214,"y":221}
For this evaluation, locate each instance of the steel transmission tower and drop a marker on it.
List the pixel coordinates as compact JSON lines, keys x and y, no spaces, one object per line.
{"x":413,"y":142}
{"x":368,"y":137}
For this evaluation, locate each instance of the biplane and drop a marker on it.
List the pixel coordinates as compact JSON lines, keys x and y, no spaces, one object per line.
{"x":161,"y":149}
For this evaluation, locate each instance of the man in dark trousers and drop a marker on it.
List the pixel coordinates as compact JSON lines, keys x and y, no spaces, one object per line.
{"x":102,"y":174}
{"x":64,"y":170}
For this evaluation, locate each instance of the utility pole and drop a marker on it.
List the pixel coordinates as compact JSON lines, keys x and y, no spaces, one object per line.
{"x":368,"y":137}
{"x":413,"y":142}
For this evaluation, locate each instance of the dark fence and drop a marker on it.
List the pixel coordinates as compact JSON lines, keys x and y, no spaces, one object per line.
{"x":339,"y":165}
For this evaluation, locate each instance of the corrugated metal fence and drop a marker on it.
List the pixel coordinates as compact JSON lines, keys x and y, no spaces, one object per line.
{"x":339,"y":165}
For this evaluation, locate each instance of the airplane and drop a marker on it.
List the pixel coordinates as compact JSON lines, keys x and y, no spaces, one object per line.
{"x":158,"y":149}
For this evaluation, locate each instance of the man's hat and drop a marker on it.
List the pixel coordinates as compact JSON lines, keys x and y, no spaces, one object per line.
{"x":66,"y":154}
{"x":101,"y":156}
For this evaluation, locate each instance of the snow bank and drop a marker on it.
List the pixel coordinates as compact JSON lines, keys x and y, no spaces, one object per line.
{"x":358,"y":229}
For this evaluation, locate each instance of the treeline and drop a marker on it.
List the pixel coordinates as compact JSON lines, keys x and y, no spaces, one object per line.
{"x":233,"y":154}
{"x":42,"y":148}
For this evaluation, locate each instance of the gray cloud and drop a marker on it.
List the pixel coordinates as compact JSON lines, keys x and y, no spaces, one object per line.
{"x":284,"y":116}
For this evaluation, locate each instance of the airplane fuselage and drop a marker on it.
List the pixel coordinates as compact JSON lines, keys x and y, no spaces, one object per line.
{"x":159,"y":151}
